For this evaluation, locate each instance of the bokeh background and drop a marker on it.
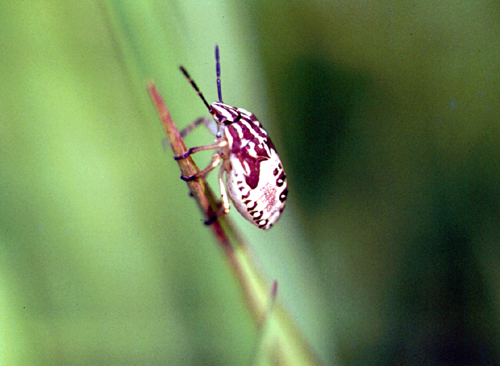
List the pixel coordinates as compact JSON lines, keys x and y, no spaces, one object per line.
{"x":385,"y":114}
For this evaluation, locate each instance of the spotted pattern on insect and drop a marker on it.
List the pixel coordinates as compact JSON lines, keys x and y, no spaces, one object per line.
{"x":255,"y":179}
{"x":256,"y":183}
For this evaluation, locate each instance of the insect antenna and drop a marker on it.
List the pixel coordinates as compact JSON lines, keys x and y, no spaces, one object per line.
{"x":217,"y":70}
{"x":193,"y":84}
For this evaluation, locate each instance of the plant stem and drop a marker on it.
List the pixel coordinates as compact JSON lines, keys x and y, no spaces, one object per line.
{"x":288,"y":346}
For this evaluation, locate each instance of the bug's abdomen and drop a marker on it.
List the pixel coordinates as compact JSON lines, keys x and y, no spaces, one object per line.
{"x":257,"y":188}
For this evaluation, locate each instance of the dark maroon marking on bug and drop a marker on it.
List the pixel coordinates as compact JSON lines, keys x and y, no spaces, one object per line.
{"x":281,"y":179}
{"x":259,"y":215}
{"x":255,"y":127}
{"x":218,"y":109}
{"x":251,"y":179}
{"x":283,"y":195}
{"x":248,"y":206}
{"x":262,"y":223}
{"x":254,"y":119}
{"x":249,"y":132}
{"x":233,"y":119}
{"x":242,"y":151}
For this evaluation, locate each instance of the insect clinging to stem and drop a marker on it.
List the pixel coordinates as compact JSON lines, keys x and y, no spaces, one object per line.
{"x":255,"y":179}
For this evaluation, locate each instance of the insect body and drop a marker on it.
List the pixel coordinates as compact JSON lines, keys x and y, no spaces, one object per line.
{"x":255,"y":179}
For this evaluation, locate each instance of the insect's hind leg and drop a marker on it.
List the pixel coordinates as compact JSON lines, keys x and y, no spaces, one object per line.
{"x":224,"y":199}
{"x":223,"y":193}
{"x":211,"y":125}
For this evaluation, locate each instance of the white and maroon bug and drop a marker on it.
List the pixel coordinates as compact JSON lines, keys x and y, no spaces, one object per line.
{"x":255,"y":179}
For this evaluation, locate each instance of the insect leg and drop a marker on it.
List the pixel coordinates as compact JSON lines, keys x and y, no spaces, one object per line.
{"x":224,"y":199}
{"x":223,"y":193}
{"x":193,"y":150}
{"x":205,"y":120}
{"x":211,"y":125}
{"x":216,"y":160}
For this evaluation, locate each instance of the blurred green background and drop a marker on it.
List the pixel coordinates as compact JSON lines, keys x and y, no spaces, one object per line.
{"x":385,"y":114}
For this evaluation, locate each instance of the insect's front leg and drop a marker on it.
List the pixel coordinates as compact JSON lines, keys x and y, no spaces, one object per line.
{"x":216,"y":160}
{"x":216,"y":145}
{"x":211,"y":125}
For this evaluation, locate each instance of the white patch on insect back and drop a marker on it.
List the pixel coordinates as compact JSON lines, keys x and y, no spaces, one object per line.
{"x":251,"y":149}
{"x":261,"y":205}
{"x":237,"y":127}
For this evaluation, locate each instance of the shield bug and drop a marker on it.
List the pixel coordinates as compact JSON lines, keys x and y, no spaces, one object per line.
{"x":255,"y":179}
